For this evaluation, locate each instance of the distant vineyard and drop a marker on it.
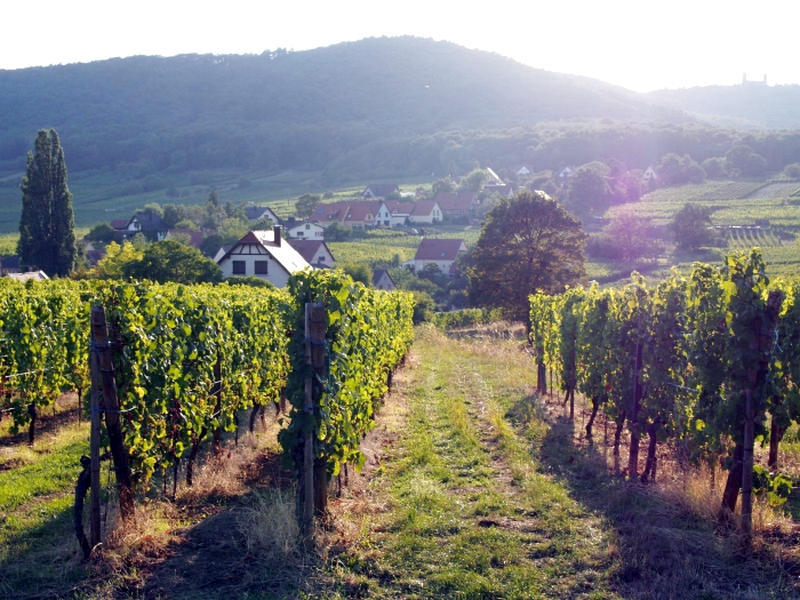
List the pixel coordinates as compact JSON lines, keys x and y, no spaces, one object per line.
{"x":744,"y":238}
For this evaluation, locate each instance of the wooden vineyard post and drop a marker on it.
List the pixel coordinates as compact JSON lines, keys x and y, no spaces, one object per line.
{"x":314,"y":475}
{"x":109,"y":404}
{"x":94,"y":449}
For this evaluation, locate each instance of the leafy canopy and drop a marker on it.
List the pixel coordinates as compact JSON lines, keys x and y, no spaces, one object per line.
{"x":529,"y":243}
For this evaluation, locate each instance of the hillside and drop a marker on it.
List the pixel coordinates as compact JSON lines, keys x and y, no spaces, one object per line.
{"x":748,"y":106}
{"x":284,"y":110}
{"x":276,"y":125}
{"x":351,"y":112}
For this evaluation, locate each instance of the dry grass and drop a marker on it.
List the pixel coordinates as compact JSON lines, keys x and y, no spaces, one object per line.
{"x":239,"y":512}
{"x":668,"y":533}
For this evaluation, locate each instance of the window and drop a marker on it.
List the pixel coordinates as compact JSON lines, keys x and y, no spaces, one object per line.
{"x":261,"y":267}
{"x":239,"y":267}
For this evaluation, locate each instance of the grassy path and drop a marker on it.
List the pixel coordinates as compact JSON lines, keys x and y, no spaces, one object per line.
{"x":470,"y":514}
{"x":474,"y":492}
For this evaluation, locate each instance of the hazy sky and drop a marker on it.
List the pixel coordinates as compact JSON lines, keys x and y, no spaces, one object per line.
{"x":641,"y":45}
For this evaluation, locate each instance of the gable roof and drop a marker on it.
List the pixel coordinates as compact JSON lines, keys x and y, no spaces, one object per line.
{"x":333,"y":211}
{"x":379,"y":274}
{"x":120,"y":224}
{"x":461,"y":201}
{"x":353,"y":211}
{"x":439,"y":249}
{"x":260,"y":212}
{"x":399,"y":207}
{"x":150,"y":221}
{"x":493,"y":177}
{"x":359,"y":210}
{"x":424,"y":207}
{"x":35,"y":275}
{"x":281,"y":251}
{"x":308,"y":248}
{"x":380,"y":189}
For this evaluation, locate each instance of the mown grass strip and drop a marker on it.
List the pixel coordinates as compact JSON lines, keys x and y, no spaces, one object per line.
{"x":467,"y":522}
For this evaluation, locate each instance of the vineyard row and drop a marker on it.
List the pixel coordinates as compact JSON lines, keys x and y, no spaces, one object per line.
{"x":188,"y":359}
{"x":701,"y":361}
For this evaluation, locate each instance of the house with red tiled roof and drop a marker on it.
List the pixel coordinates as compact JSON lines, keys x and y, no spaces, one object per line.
{"x":316,"y":252}
{"x":327,"y":213}
{"x":262,"y":254}
{"x":440,"y":252}
{"x":350,"y":214}
{"x":457,"y":205}
{"x":426,"y":212}
{"x":393,"y":213}
{"x":362,"y":213}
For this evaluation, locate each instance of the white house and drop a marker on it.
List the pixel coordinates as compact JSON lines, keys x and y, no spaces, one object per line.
{"x":261,"y":213}
{"x":650,"y":176}
{"x":440,"y":252}
{"x":393,"y":213}
{"x":425,"y":212}
{"x":264,"y":255}
{"x":307,"y":231}
{"x":148,"y":223}
{"x":381,"y":280}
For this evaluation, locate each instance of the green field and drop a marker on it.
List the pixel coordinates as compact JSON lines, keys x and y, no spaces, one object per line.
{"x":731,"y":203}
{"x":747,"y":214}
{"x":99,"y":197}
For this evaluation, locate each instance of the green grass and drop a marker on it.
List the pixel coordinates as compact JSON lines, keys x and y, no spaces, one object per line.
{"x":36,"y":497}
{"x":472,"y":517}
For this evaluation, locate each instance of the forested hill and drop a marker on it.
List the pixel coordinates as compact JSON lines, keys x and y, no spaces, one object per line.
{"x":282,"y":110}
{"x":752,"y":105}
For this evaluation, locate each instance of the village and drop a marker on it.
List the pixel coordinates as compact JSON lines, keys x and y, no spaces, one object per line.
{"x":275,"y":247}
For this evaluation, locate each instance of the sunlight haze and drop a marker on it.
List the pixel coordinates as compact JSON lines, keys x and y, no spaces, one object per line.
{"x":638,"y":45}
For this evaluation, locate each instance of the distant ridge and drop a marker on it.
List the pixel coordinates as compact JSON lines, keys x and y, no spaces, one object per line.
{"x":267,"y":126}
{"x":262,"y":111}
{"x":752,"y":104}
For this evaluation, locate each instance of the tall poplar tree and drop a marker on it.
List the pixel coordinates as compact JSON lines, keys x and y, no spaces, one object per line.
{"x":46,"y":227}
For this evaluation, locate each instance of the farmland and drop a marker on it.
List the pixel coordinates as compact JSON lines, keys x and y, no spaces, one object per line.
{"x":473,"y":487}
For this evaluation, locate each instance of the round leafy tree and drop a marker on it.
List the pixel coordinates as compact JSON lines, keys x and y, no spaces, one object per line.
{"x":528,"y":243}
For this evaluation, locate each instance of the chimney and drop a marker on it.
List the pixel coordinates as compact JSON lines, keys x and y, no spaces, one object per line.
{"x":276,"y":235}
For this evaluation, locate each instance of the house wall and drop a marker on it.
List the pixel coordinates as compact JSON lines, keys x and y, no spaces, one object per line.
{"x":385,"y":284}
{"x":307,"y":231}
{"x":398,"y":220}
{"x":384,"y":217}
{"x":435,"y":216}
{"x":444,"y":265}
{"x":321,"y":258}
{"x":276,"y":274}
